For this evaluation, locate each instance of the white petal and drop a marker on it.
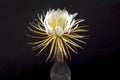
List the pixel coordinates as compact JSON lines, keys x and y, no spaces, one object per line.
{"x":55,"y":15}
{"x":41,"y":19}
{"x":72,"y":23}
{"x":70,"y":26}
{"x":75,"y":14}
{"x":59,"y":30}
{"x":49,"y":28}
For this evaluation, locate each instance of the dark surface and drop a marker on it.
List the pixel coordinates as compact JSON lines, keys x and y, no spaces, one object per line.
{"x":100,"y":58}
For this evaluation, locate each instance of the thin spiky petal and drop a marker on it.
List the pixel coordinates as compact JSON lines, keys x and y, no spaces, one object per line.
{"x":59,"y":45}
{"x":37,"y":32}
{"x":63,"y":48}
{"x":70,"y":41}
{"x":78,"y":21}
{"x":37,"y":42}
{"x":36,"y":36}
{"x":75,"y":36}
{"x":55,"y":51}
{"x":70,"y":48}
{"x":38,"y":27}
{"x":77,"y":39}
{"x":79,"y":30}
{"x":79,"y":27}
{"x":51,"y":50}
{"x":44,"y":46}
{"x":40,"y":19}
{"x":67,"y":50}
{"x":39,"y":23}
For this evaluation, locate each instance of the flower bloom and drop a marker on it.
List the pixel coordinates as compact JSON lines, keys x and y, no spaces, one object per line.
{"x":59,"y":29}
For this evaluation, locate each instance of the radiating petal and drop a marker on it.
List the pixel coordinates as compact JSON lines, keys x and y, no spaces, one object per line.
{"x":51,"y":50}
{"x":44,"y":46}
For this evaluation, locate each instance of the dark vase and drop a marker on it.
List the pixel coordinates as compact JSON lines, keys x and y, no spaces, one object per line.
{"x":60,"y":71}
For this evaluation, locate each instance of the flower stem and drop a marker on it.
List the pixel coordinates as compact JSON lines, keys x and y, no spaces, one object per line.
{"x":59,"y":56}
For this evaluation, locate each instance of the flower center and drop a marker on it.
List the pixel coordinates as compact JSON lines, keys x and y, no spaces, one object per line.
{"x":60,"y":21}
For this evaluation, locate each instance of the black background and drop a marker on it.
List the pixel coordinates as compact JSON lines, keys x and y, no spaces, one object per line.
{"x":99,"y":60}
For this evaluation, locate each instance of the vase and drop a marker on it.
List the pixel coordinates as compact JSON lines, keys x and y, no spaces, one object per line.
{"x":60,"y":69}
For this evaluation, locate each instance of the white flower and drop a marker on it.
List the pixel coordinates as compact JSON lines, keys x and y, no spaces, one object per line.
{"x":60,"y":29}
{"x":58,"y":21}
